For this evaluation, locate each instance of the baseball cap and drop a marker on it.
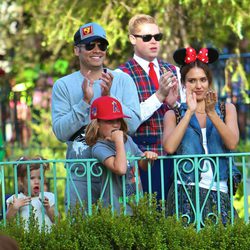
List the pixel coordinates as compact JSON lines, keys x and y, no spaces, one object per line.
{"x":106,"y":108}
{"x":88,"y":33}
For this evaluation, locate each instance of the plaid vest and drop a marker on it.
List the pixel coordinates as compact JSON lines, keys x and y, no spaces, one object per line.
{"x":149,"y":134}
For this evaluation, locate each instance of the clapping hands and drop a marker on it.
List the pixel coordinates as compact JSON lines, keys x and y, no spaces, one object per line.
{"x":168,"y":87}
{"x":87,"y":85}
{"x":107,"y":79}
{"x":191,"y":99}
{"x":87,"y":88}
{"x":210,"y":101}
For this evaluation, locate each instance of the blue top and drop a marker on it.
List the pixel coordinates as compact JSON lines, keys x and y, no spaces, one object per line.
{"x":104,"y":149}
{"x":191,"y":144}
{"x":70,"y":112}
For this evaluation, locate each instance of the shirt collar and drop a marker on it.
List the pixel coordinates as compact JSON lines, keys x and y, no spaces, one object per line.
{"x":144,"y":63}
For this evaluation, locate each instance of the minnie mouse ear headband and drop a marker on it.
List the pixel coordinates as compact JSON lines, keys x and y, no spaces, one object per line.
{"x":188,"y":55}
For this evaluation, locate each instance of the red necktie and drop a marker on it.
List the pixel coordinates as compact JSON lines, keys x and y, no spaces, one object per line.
{"x":153,"y":75}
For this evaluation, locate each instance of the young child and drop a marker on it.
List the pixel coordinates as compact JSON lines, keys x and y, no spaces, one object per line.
{"x":107,"y":136}
{"x":23,"y":200}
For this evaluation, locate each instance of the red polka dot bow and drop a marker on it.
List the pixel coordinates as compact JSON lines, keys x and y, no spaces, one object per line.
{"x":191,"y":55}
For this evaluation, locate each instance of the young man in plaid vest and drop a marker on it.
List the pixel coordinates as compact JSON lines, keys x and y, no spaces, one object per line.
{"x":156,"y":91}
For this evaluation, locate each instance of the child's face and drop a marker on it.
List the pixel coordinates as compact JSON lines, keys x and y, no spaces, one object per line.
{"x":34,"y":183}
{"x":106,"y":127}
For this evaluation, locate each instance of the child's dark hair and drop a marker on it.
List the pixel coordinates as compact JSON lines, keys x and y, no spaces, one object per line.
{"x":22,"y":167}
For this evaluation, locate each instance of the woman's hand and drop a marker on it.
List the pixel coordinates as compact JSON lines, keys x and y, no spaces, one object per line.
{"x":210,"y":101}
{"x":191,"y":99}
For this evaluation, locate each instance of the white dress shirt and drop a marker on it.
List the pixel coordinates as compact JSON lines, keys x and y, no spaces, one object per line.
{"x":149,"y":106}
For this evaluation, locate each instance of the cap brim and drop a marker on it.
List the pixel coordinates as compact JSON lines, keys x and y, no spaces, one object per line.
{"x":126,"y":116}
{"x":113,"y":117}
{"x":91,"y":39}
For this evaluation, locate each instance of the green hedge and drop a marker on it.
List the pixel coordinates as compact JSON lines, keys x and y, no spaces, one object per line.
{"x":146,"y":229}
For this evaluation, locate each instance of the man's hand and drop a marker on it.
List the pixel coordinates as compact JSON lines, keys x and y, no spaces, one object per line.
{"x":166,"y":83}
{"x":107,"y":79}
{"x":173,"y":94}
{"x":87,"y":88}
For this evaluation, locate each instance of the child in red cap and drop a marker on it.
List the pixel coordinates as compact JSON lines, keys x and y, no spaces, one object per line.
{"x":110,"y":144}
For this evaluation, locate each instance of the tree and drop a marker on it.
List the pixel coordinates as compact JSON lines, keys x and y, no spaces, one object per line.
{"x":45,"y":28}
{"x":38,"y":35}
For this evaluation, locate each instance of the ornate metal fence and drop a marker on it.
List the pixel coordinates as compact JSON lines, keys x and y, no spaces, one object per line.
{"x":91,"y":175}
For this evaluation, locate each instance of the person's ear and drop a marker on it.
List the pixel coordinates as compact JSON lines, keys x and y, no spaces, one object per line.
{"x":132,"y":40}
{"x":77,"y":50}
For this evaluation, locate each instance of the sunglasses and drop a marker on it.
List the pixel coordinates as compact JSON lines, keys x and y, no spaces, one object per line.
{"x":91,"y":46}
{"x":147,"y":38}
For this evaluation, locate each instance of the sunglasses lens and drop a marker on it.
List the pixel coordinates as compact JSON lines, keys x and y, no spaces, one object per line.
{"x":89,"y":46}
{"x":146,"y":38}
{"x":102,"y":46}
{"x":158,"y":37}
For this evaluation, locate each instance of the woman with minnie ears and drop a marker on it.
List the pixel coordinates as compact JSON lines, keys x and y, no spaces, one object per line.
{"x":110,"y":144}
{"x":202,"y":129}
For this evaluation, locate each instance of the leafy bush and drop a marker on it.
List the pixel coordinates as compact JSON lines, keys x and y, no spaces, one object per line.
{"x":146,"y":229}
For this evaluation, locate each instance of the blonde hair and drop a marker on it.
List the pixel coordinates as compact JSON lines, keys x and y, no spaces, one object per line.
{"x":92,"y":131}
{"x":137,"y":20}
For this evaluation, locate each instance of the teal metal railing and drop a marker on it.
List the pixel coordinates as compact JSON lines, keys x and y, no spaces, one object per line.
{"x":89,"y":170}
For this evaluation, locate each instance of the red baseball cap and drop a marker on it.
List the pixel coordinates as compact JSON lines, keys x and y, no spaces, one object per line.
{"x":106,"y":108}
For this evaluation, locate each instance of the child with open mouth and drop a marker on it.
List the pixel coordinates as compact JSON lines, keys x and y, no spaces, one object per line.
{"x":31,"y":195}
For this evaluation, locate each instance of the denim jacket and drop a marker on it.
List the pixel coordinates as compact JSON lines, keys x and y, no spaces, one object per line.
{"x":191,"y":144}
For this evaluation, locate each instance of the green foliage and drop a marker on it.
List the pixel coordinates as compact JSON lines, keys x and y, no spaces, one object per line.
{"x":146,"y":229}
{"x":45,"y":28}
